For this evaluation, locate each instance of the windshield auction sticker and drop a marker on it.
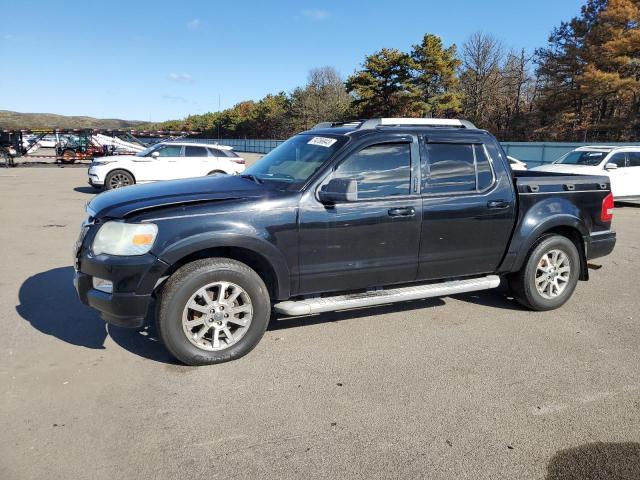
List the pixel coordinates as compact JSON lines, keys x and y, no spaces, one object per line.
{"x":322,"y":141}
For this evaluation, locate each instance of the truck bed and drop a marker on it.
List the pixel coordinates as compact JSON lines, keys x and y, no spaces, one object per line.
{"x":549,"y":182}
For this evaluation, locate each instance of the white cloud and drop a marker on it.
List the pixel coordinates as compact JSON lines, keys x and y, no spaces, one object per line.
{"x":193,"y":24}
{"x":316,"y":14}
{"x":180,"y":77}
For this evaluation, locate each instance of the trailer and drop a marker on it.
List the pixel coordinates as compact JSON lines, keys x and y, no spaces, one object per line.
{"x":70,"y":145}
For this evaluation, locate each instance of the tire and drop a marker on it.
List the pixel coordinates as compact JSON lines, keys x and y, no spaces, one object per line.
{"x":68,"y":156}
{"x":215,"y":173}
{"x":547,"y":284}
{"x":118,"y":179}
{"x":185,"y":288}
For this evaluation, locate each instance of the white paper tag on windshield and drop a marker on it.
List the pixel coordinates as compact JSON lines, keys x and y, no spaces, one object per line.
{"x":322,"y":141}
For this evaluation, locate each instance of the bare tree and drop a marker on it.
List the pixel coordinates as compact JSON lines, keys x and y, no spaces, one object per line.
{"x":482,"y":57}
{"x":323,"y":98}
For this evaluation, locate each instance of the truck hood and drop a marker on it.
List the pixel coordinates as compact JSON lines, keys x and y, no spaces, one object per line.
{"x":122,"y":202}
{"x":577,"y":169}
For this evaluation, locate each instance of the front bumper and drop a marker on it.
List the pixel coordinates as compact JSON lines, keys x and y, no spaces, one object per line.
{"x":133,"y":279}
{"x":600,"y":244}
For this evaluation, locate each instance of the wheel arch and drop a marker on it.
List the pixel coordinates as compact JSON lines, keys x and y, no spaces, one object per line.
{"x":263,"y":258}
{"x":566,"y":226}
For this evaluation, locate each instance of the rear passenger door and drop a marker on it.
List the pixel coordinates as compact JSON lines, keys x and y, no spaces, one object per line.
{"x":468,"y":206}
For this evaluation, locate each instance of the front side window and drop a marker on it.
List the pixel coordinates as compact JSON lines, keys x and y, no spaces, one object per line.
{"x":618,"y":159}
{"x":190,"y":151}
{"x":381,"y":170}
{"x":456,"y":168}
{"x":634,"y":159}
{"x":170,"y":150}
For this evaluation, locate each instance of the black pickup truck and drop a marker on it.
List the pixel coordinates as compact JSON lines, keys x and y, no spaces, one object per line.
{"x":341,"y":216}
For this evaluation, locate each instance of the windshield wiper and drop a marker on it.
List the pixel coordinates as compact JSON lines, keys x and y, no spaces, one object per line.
{"x":253,"y":178}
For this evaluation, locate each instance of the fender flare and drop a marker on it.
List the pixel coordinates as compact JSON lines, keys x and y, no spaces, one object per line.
{"x":185,"y":247}
{"x":520,"y":248}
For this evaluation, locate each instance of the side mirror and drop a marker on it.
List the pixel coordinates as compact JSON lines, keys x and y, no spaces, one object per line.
{"x":611,"y":166}
{"x":155,"y":154}
{"x":338,"y":190}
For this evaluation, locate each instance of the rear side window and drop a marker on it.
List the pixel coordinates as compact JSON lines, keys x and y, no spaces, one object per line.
{"x":381,"y":170}
{"x":195,"y":151}
{"x":456,"y":168}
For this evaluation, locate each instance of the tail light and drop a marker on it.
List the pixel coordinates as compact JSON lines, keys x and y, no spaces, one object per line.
{"x":238,"y":160}
{"x":606,"y":214}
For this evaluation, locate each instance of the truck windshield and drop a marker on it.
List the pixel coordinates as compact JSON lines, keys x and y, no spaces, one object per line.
{"x":585,"y":157}
{"x":293,"y":162}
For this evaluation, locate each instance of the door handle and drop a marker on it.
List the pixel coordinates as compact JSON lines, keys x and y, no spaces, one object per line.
{"x":497,"y":204}
{"x":402,"y":212}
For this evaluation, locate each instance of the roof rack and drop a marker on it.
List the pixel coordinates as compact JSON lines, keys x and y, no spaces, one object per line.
{"x":422,"y":122}
{"x":394,"y":122}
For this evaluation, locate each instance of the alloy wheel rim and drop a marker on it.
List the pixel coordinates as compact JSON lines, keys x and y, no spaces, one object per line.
{"x":217,"y":316}
{"x":119,"y":180}
{"x":552,"y":274}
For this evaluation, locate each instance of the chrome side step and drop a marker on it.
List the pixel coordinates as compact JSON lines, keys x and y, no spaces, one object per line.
{"x":380,"y":297}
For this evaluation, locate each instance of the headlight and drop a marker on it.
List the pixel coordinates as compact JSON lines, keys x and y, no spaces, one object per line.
{"x":100,"y":163}
{"x":119,"y":238}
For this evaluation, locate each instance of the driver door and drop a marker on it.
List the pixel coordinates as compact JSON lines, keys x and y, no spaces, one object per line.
{"x":370,"y":241}
{"x":163,"y":166}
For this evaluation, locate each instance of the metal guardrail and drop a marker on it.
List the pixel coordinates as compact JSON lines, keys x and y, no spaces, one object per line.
{"x":532,"y":153}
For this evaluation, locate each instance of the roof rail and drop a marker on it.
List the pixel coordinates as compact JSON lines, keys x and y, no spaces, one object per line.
{"x":422,"y":122}
{"x":351,"y":123}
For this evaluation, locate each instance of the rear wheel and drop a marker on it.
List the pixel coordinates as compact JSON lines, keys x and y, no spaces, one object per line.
{"x":118,"y":179}
{"x":550,"y":274}
{"x":212,"y":311}
{"x":68,"y":156}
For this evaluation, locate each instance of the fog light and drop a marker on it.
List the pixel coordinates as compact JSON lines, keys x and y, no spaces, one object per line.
{"x":103,"y":285}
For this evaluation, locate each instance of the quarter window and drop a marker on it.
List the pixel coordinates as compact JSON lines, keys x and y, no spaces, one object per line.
{"x":456,"y":167}
{"x":381,"y":170}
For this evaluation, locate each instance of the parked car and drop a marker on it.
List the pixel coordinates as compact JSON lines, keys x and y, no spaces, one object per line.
{"x":50,"y":141}
{"x":164,"y":161}
{"x":338,"y":217}
{"x":516,"y":164}
{"x":620,"y":164}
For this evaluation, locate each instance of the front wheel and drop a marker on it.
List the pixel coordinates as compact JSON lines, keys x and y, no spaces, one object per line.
{"x":68,"y":156}
{"x":549,"y":276}
{"x":212,"y":311}
{"x":118,"y":179}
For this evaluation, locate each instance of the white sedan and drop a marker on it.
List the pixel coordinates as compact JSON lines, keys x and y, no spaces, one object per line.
{"x":165,"y":161}
{"x":620,"y":164}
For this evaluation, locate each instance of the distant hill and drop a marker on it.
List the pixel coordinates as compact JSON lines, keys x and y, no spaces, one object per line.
{"x":50,"y":120}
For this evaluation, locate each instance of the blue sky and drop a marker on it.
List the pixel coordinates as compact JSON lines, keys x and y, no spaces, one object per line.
{"x":157,"y":60}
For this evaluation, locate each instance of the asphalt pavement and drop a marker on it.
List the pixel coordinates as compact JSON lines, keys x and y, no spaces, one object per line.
{"x":464,"y":387}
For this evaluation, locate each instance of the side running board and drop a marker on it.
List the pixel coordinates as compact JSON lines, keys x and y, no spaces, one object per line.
{"x":380,"y":297}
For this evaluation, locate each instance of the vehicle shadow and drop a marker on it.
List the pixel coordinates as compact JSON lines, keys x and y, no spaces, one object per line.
{"x":89,"y":190}
{"x":599,"y":460}
{"x":49,"y":302}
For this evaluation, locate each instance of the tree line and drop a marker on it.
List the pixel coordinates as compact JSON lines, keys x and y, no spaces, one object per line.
{"x":583,"y":85}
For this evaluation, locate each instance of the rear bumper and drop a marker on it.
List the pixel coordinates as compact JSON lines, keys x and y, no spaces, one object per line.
{"x":601,"y":244}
